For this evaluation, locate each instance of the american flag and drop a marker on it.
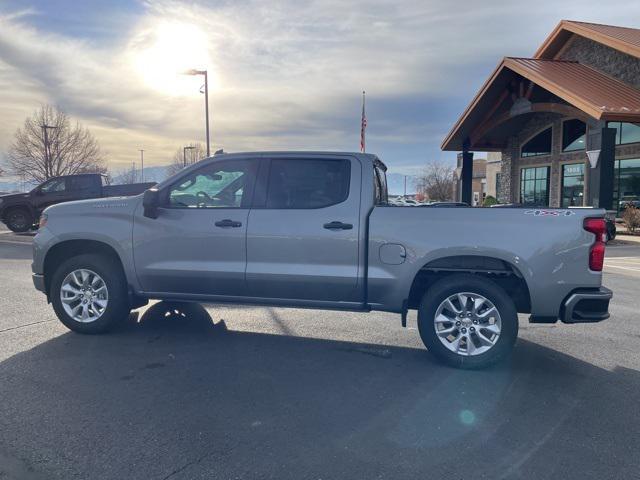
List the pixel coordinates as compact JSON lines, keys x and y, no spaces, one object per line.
{"x":363,"y":126}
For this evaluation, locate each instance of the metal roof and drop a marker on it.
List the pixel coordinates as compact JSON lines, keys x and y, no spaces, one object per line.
{"x":593,"y":92}
{"x":598,"y":95}
{"x":624,"y":39}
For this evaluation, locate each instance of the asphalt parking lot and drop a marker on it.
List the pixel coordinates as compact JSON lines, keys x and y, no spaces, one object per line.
{"x":238,"y":393}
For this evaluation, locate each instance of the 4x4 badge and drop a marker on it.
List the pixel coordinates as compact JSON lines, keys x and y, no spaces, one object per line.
{"x":549,"y":213}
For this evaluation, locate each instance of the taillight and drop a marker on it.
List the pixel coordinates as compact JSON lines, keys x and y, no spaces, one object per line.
{"x":598,"y":227}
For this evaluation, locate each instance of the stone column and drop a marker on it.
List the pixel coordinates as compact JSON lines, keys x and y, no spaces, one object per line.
{"x":508,"y":173}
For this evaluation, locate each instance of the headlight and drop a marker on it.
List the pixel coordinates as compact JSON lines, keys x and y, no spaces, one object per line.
{"x":43,"y":220}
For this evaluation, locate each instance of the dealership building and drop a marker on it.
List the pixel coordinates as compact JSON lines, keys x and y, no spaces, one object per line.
{"x":566,"y":121}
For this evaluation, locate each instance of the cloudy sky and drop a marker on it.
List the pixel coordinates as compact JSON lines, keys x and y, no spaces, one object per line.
{"x":284,"y":74}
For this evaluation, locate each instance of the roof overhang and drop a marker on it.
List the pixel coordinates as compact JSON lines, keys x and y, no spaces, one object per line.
{"x":586,"y":91}
{"x":623,"y":39}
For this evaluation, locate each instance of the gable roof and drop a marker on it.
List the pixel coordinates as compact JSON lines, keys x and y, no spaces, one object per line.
{"x":597,"y":94}
{"x":623,"y":39}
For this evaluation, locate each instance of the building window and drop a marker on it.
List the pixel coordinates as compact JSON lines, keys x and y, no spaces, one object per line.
{"x":538,"y":145}
{"x":574,"y":135}
{"x":625,"y":132}
{"x":572,"y":185}
{"x":626,"y":183}
{"x":534,"y":186}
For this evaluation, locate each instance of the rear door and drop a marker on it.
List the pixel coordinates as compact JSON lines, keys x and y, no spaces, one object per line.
{"x":84,"y":186}
{"x":302,"y":238}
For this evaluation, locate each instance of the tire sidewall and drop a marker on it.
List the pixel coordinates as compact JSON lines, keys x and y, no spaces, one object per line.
{"x":118,"y":305}
{"x":472,"y":284}
{"x":28,"y":220}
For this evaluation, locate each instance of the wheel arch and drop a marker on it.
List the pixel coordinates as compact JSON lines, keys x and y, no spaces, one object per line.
{"x":502,"y":272}
{"x":66,"y":249}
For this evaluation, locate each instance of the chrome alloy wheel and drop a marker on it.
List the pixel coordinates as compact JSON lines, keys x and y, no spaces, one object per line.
{"x":467,"y":323}
{"x":84,"y":295}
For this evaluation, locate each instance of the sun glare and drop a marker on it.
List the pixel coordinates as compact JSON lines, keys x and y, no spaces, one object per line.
{"x":162,"y":54}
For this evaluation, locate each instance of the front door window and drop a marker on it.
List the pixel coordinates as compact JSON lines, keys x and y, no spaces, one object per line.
{"x":56,"y":185}
{"x":218,"y":185}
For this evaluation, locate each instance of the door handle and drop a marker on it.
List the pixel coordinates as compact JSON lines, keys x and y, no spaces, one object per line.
{"x":226,"y":223}
{"x":338,"y":226}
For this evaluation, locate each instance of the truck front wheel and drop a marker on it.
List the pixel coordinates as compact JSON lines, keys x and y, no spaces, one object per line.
{"x":19,"y":220}
{"x":89,"y":294}
{"x":467,"y":321}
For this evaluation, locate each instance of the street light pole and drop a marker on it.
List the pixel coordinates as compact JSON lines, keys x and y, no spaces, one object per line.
{"x":141,"y":166}
{"x":206,"y":108}
{"x":47,"y":155}
{"x":206,"y":101}
{"x":184,"y":154}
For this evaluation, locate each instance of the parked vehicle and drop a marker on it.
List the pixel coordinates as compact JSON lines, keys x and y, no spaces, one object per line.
{"x":448,"y":204}
{"x":315,"y":230}
{"x":626,"y":202}
{"x":611,"y":228}
{"x":20,"y":211}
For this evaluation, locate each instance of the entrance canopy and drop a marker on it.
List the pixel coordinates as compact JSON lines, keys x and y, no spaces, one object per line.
{"x":519,"y":87}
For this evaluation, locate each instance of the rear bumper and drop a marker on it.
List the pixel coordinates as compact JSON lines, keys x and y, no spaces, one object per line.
{"x":38,"y":282}
{"x":586,"y":306}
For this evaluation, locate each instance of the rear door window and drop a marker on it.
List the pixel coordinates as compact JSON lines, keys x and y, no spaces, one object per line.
{"x":79,"y":183}
{"x":307,"y":183}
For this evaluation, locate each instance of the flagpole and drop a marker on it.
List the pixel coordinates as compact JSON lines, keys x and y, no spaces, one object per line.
{"x":363,"y":126}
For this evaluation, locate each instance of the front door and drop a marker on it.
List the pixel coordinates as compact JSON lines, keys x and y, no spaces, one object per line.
{"x":51,"y":192}
{"x":302,"y":241}
{"x":197,"y":245}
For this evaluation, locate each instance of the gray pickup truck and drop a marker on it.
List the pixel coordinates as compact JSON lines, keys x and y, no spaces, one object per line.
{"x":315,"y":230}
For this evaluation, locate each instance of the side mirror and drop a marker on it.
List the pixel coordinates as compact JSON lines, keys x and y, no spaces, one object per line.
{"x":39,"y":193}
{"x":150,"y":202}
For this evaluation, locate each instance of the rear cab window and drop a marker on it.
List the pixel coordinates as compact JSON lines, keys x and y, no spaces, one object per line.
{"x":380,"y":183}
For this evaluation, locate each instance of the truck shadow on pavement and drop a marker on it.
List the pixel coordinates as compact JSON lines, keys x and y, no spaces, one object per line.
{"x":171,"y":394}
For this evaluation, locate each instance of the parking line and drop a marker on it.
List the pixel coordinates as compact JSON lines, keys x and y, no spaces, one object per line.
{"x":13,"y":242}
{"x":623,"y":268}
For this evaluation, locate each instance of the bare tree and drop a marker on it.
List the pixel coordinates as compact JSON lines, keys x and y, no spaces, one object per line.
{"x":194,"y":153}
{"x":127,"y":177}
{"x":436,"y":181}
{"x":48,"y":145}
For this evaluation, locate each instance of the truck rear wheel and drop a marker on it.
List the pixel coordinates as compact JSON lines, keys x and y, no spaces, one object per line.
{"x":89,"y":294}
{"x":19,"y":220}
{"x":467,"y":321}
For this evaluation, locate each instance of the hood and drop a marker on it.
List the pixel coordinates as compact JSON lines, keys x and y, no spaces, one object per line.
{"x":13,"y":196}
{"x":95,"y":205}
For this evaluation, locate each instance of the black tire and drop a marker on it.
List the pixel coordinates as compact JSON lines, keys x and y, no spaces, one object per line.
{"x":117,"y":309}
{"x":451,"y":285}
{"x":19,"y":220}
